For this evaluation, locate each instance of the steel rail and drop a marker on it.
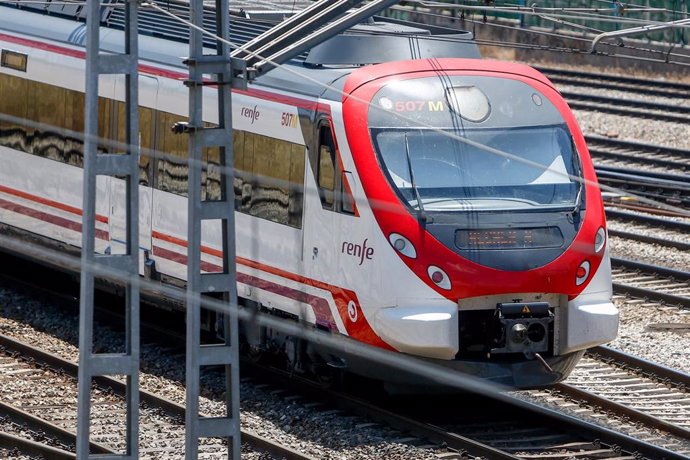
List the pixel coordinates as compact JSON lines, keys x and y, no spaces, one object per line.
{"x":638,"y":146}
{"x":626,"y":442}
{"x":625,"y":107}
{"x":638,"y":365}
{"x":634,"y":205}
{"x":629,"y":103}
{"x":588,"y":81}
{"x":621,"y":409}
{"x":639,"y":152}
{"x":569,"y":424}
{"x":649,"y":367}
{"x":66,"y":437}
{"x":683,"y":88}
{"x":649,"y":268}
{"x":679,"y":181}
{"x":167,"y":405}
{"x":683,"y":302}
{"x":602,"y":152}
{"x":669,"y":187}
{"x":643,"y":293}
{"x":650,"y":239}
{"x":651,"y":220}
{"x":30,"y":447}
{"x":598,"y":152}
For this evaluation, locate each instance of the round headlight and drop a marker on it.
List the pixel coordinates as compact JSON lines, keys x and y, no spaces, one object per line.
{"x":600,"y":239}
{"x":402,"y":245}
{"x":582,"y":273}
{"x":439,"y":277}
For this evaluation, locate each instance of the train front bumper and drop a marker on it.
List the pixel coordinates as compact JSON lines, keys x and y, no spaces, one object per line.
{"x":431,"y":333}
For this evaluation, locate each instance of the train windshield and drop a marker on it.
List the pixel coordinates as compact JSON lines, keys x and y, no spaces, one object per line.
{"x":481,"y":168}
{"x":474,"y":143}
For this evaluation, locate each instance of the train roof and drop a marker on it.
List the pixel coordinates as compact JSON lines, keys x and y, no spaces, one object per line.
{"x":165,"y":39}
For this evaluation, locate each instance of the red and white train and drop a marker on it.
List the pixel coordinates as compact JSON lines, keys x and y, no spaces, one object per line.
{"x":382,"y":206}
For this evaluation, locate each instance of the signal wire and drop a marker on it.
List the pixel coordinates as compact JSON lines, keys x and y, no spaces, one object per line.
{"x":229,"y":170}
{"x":470,"y":142}
{"x":440,"y":374}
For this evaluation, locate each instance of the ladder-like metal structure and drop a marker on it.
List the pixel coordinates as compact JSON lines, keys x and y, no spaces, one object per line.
{"x":124,"y":267}
{"x":223,"y":211}
{"x":313,"y":25}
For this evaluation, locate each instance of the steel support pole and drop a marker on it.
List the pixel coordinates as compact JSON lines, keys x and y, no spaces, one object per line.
{"x":222,"y":212}
{"x":125,"y":266}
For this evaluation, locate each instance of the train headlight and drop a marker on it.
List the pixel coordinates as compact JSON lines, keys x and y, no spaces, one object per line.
{"x":582,"y":273}
{"x":439,"y":277}
{"x":600,"y":239}
{"x":402,"y":245}
{"x":469,"y":102}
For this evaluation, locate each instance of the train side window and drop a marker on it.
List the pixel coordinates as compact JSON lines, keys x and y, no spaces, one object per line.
{"x":347,"y":202}
{"x":269,"y":178}
{"x":326,"y":164}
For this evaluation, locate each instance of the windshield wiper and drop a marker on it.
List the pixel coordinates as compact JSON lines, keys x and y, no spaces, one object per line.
{"x":421,"y":215}
{"x":577,"y":167}
{"x":576,"y":209}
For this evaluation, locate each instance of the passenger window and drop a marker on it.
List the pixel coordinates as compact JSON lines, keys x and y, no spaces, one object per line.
{"x":347,"y":204}
{"x":326,"y":173}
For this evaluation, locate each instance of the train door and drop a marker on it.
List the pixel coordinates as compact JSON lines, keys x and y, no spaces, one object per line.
{"x":319,"y":226}
{"x":148,"y":95}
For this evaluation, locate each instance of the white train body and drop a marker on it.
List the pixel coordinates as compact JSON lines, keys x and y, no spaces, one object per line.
{"x":336,"y":268}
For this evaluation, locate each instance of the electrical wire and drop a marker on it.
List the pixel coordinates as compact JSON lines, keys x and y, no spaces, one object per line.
{"x":461,"y":139}
{"x":230,"y":171}
{"x":666,"y":55}
{"x":397,"y":360}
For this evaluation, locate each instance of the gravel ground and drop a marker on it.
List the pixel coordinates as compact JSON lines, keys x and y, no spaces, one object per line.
{"x":630,"y":128}
{"x":641,"y":229}
{"x":327,"y":435}
{"x":661,"y":346}
{"x":627,"y":95}
{"x":649,"y":253}
{"x":321,"y":433}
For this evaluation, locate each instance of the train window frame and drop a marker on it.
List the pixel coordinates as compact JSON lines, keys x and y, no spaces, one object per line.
{"x":326,"y":148}
{"x":14,"y":60}
{"x":347,"y":200}
{"x":338,"y":198}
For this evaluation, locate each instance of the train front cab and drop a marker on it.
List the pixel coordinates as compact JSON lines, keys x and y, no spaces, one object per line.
{"x":507,"y":236}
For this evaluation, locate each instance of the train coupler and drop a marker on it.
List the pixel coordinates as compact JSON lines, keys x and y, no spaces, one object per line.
{"x":522,"y":328}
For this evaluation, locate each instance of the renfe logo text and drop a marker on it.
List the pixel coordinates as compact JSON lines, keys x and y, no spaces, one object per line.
{"x":251,"y":113}
{"x":358,"y":250}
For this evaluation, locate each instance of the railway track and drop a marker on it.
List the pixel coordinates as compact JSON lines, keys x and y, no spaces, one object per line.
{"x":673,"y":189}
{"x":648,"y":229}
{"x":645,"y":393}
{"x":514,"y":434}
{"x":651,"y":282}
{"x":638,"y":155}
{"x":680,"y":226}
{"x":627,"y":107}
{"x":54,"y":413}
{"x":506,"y":428}
{"x":617,"y":82}
{"x":650,"y":239}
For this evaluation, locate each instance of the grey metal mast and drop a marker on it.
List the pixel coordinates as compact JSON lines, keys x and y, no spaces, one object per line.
{"x":124,"y":266}
{"x":223,"y":211}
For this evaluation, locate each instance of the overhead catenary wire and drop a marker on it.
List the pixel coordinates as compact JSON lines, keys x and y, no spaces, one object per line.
{"x":665,"y":55}
{"x":465,"y":140}
{"x":513,"y":8}
{"x":229,"y":170}
{"x":437,"y":372}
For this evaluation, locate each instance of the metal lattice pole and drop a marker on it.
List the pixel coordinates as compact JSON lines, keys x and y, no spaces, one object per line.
{"x":200,"y":137}
{"x":121,"y":165}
